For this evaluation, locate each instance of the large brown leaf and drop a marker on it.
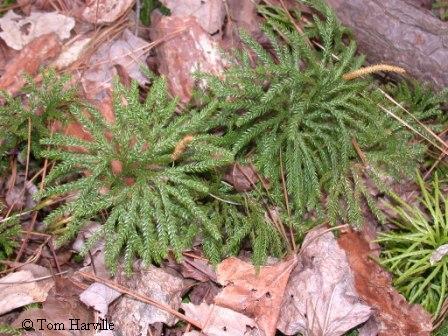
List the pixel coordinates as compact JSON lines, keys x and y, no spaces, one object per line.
{"x":62,"y":307}
{"x":256,"y":294}
{"x":31,"y":57}
{"x":320,"y":299}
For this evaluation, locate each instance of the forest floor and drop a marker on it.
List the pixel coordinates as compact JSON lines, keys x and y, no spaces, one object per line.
{"x":330,"y":279}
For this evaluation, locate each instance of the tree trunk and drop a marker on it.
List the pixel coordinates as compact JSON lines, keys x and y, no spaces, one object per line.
{"x":398,"y":33}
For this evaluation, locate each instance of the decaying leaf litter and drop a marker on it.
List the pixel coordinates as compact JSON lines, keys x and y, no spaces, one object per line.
{"x":328,"y":284}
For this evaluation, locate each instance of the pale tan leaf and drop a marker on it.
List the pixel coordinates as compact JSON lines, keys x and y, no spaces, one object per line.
{"x":128,"y":50}
{"x":18,"y":30}
{"x":320,"y":298}
{"x":18,"y":289}
{"x":99,"y":297}
{"x":105,"y":11}
{"x":134,"y":317}
{"x":438,"y":254}
{"x":71,"y":53}
{"x":210,"y":14}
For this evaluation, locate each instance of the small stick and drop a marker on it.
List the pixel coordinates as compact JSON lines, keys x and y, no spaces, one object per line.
{"x":359,"y":151}
{"x":31,"y":280}
{"x":285,"y":195}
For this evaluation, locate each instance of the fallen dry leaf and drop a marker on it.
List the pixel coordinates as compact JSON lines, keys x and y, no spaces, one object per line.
{"x":242,"y":178}
{"x":394,"y":316}
{"x":99,"y":297}
{"x":198,"y":269}
{"x":96,"y":252}
{"x":129,"y":51}
{"x":320,"y":298}
{"x":190,"y":50}
{"x":41,"y":50}
{"x":220,"y":321}
{"x":242,"y":15}
{"x":105,"y":11}
{"x":210,"y":14}
{"x":18,"y":289}
{"x":21,"y":195}
{"x":370,"y":328}
{"x":256,"y":294}
{"x":61,"y":306}
{"x":134,"y":317}
{"x":438,"y":254}
{"x":6,"y":54}
{"x":204,"y":292}
{"x":27,"y":6}
{"x":71,"y":53}
{"x":18,"y":31}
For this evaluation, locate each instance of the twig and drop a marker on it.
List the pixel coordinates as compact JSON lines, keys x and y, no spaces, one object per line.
{"x":285,"y":195}
{"x":34,"y":218}
{"x":359,"y":151}
{"x":334,"y":228}
{"x":32,"y":280}
{"x":28,"y":152}
{"x":32,"y":258}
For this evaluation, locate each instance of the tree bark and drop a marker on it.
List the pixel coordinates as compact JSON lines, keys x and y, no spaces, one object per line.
{"x":398,"y":33}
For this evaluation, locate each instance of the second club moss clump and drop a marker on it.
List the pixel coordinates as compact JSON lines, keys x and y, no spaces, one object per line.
{"x":289,"y":109}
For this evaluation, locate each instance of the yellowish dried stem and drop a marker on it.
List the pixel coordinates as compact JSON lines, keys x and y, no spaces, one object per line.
{"x":373,"y":69}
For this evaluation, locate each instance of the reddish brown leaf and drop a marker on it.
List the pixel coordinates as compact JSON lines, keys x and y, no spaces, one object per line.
{"x":197,"y":269}
{"x":204,"y":292}
{"x":188,"y":49}
{"x":242,"y":15}
{"x":32,"y":56}
{"x":394,"y":316}
{"x":256,"y":294}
